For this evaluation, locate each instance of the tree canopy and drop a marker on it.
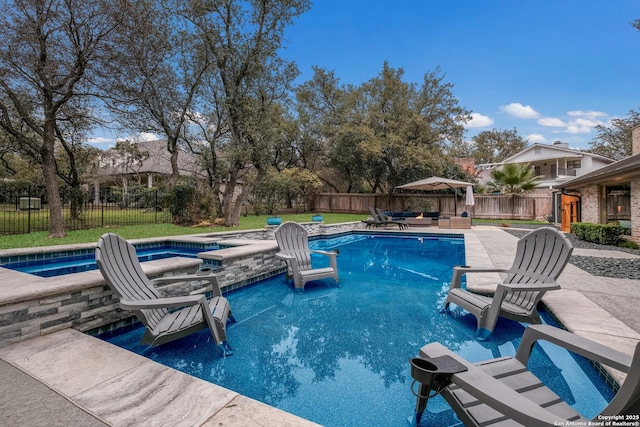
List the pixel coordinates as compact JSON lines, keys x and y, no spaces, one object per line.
{"x":614,"y":140}
{"x":494,"y":146}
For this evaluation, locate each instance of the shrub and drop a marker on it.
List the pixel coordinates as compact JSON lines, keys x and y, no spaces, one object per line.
{"x":188,"y":205}
{"x":604,"y":234}
{"x":628,"y":244}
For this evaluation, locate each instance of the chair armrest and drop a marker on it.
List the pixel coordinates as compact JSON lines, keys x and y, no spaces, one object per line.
{"x":325,"y":253}
{"x":459,"y":270}
{"x":163,"y":302}
{"x":494,"y":393}
{"x":295,"y":268}
{"x":333,"y":257}
{"x":574,"y":343}
{"x":539,"y":286}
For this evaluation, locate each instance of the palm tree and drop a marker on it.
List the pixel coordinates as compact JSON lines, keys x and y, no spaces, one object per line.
{"x":513,"y":179}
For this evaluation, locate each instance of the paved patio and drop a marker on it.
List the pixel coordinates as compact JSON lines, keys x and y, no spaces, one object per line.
{"x":70,"y":378}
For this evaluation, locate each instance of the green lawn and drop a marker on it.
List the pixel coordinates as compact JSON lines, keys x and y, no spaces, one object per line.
{"x":249,"y":222}
{"x":156,"y":230}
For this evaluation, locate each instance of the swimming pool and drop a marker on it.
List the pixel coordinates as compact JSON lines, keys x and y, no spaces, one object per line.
{"x":60,"y":263}
{"x":340,"y":356}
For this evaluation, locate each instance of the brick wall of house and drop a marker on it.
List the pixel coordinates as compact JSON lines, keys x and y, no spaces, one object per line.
{"x":590,"y":202}
{"x":635,"y":208}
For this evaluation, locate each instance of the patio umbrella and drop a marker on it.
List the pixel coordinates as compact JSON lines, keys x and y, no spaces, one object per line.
{"x":469,"y":200}
{"x":436,"y":183}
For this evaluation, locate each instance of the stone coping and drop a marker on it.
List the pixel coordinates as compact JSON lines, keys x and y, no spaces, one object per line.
{"x":122,"y":388}
{"x":17,"y":287}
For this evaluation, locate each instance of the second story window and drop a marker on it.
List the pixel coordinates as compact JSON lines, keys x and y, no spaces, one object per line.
{"x":573,"y":164}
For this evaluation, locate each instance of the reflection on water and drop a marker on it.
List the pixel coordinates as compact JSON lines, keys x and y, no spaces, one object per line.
{"x":340,"y":356}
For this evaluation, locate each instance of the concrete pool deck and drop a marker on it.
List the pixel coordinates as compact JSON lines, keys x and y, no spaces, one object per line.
{"x":70,"y":378}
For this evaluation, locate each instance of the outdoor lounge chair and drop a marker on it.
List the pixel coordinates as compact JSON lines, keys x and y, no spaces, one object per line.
{"x":383,"y":219}
{"x":378,"y":219}
{"x":121,"y":269}
{"x":504,"y":392}
{"x":540,"y":257}
{"x":293,"y":242}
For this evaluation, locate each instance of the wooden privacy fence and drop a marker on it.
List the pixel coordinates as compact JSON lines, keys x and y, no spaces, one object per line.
{"x":488,"y":206}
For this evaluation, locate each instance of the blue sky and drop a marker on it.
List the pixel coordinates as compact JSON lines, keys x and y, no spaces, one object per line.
{"x":552,"y":69}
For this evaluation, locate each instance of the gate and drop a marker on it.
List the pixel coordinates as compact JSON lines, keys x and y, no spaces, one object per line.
{"x":570,"y":211}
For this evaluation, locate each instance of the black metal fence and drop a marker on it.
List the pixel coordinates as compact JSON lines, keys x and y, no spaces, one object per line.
{"x":25,"y":210}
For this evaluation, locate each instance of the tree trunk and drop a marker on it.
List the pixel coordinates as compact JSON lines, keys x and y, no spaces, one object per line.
{"x":175,"y":172}
{"x":230,"y":220}
{"x":56,"y":222}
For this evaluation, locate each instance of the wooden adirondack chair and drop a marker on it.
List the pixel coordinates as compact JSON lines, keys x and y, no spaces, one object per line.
{"x":293,"y":242}
{"x":502,"y":391}
{"x":540,"y":258}
{"x":121,"y":269}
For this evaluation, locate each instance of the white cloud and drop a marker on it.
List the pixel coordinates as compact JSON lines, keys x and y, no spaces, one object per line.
{"x":479,"y":120}
{"x":584,"y":121}
{"x":516,"y":109}
{"x":535,"y":138}
{"x":552,"y":122}
{"x":99,"y":140}
{"x":590,"y":114}
{"x":574,"y":128}
{"x":143,"y":136}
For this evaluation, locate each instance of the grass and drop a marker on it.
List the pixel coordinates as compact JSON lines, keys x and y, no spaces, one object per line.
{"x":249,"y":222}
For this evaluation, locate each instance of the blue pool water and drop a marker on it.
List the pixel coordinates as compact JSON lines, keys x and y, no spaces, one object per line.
{"x":340,"y":356}
{"x":58,"y":264}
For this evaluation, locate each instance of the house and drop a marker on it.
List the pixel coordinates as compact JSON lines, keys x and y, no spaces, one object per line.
{"x":607,"y":195}
{"x":152,"y":161}
{"x":556,"y":163}
{"x":148,"y":163}
{"x":553,"y":164}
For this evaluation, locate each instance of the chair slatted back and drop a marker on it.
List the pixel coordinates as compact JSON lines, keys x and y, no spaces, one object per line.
{"x":119,"y":265}
{"x":541,"y":256}
{"x":374,"y":214}
{"x":292,"y":239}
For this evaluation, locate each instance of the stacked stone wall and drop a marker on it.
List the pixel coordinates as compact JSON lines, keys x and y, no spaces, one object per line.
{"x":86,"y":303}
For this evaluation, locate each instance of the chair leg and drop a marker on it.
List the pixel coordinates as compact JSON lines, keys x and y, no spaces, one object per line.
{"x":446,"y":306}
{"x":421,"y":404}
{"x":231,"y":319}
{"x":225,"y":348}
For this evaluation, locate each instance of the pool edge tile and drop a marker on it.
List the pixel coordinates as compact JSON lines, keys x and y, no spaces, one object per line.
{"x":154,"y":394}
